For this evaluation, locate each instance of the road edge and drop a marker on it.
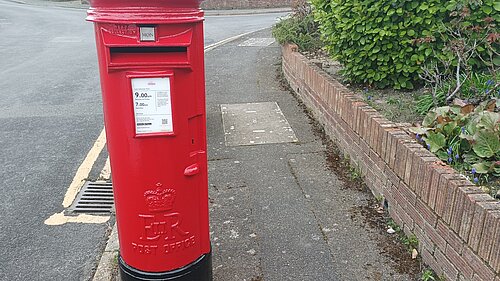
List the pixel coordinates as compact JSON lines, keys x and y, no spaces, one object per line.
{"x":108,"y":263}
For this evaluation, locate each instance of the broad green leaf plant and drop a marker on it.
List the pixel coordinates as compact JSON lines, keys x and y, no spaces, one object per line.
{"x":466,"y":137}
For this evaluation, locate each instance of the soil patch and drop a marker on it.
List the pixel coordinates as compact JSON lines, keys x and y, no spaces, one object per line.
{"x":397,"y":106}
{"x":376,"y":217}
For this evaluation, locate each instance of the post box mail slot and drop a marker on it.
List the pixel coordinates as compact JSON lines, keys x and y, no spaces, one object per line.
{"x":125,"y":46}
{"x":151,"y":63}
{"x":148,"y":56}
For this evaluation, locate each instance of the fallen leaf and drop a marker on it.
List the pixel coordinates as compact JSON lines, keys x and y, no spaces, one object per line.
{"x":442,"y":119}
{"x":467,"y":109}
{"x":414,"y":254}
{"x":492,"y":104}
{"x":459,"y":102}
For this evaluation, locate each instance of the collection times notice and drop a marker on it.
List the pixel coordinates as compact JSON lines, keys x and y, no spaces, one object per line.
{"x":152,"y":105}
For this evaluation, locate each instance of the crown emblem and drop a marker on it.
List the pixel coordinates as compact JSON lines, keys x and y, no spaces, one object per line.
{"x":160,"y":199}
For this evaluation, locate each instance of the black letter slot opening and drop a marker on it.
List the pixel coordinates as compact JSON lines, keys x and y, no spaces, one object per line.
{"x":148,"y":55}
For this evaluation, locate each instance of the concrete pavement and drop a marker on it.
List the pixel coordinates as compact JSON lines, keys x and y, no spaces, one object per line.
{"x":277,"y":211}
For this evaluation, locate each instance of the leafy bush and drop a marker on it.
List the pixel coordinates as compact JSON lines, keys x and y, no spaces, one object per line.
{"x":466,"y":137}
{"x":373,"y":39}
{"x":385,"y":42}
{"x":477,"y":21}
{"x":467,"y":66}
{"x":299,"y":28}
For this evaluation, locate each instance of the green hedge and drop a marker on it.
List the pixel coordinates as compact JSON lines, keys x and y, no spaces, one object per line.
{"x":298,"y":29}
{"x":385,"y":43}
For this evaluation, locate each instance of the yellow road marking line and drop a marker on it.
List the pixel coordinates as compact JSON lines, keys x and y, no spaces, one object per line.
{"x":60,"y":219}
{"x":106,"y":171}
{"x":83,"y":171}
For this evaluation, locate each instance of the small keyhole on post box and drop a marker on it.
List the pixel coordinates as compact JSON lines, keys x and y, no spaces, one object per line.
{"x":194,"y":133}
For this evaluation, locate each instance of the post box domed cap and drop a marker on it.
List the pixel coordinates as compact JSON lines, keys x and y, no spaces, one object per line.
{"x":145,"y":3}
{"x":145,"y":11}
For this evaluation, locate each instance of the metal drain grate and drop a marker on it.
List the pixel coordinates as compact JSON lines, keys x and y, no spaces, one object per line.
{"x":94,"y":198}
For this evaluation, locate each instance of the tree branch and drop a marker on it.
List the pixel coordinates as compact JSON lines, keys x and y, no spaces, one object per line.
{"x":459,"y":84}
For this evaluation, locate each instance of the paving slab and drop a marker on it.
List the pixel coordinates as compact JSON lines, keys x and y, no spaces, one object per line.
{"x":255,"y":123}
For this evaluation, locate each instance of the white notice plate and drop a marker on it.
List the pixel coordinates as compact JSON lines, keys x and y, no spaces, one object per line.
{"x":152,"y":105}
{"x":147,"y":34}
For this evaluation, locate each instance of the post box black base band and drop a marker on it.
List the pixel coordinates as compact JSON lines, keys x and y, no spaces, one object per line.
{"x":200,"y":270}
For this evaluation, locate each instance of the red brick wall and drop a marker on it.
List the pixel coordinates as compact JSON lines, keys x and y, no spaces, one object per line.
{"x":245,"y":4}
{"x":457,"y":225}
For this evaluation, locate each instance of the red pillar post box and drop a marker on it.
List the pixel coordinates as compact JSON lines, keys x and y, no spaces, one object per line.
{"x":151,"y":61}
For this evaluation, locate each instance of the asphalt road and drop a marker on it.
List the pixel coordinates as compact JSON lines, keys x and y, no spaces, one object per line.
{"x":50,"y":116}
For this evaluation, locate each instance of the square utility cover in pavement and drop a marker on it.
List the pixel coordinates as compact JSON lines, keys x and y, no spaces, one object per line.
{"x":255,"y":123}
{"x":257,"y":42}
